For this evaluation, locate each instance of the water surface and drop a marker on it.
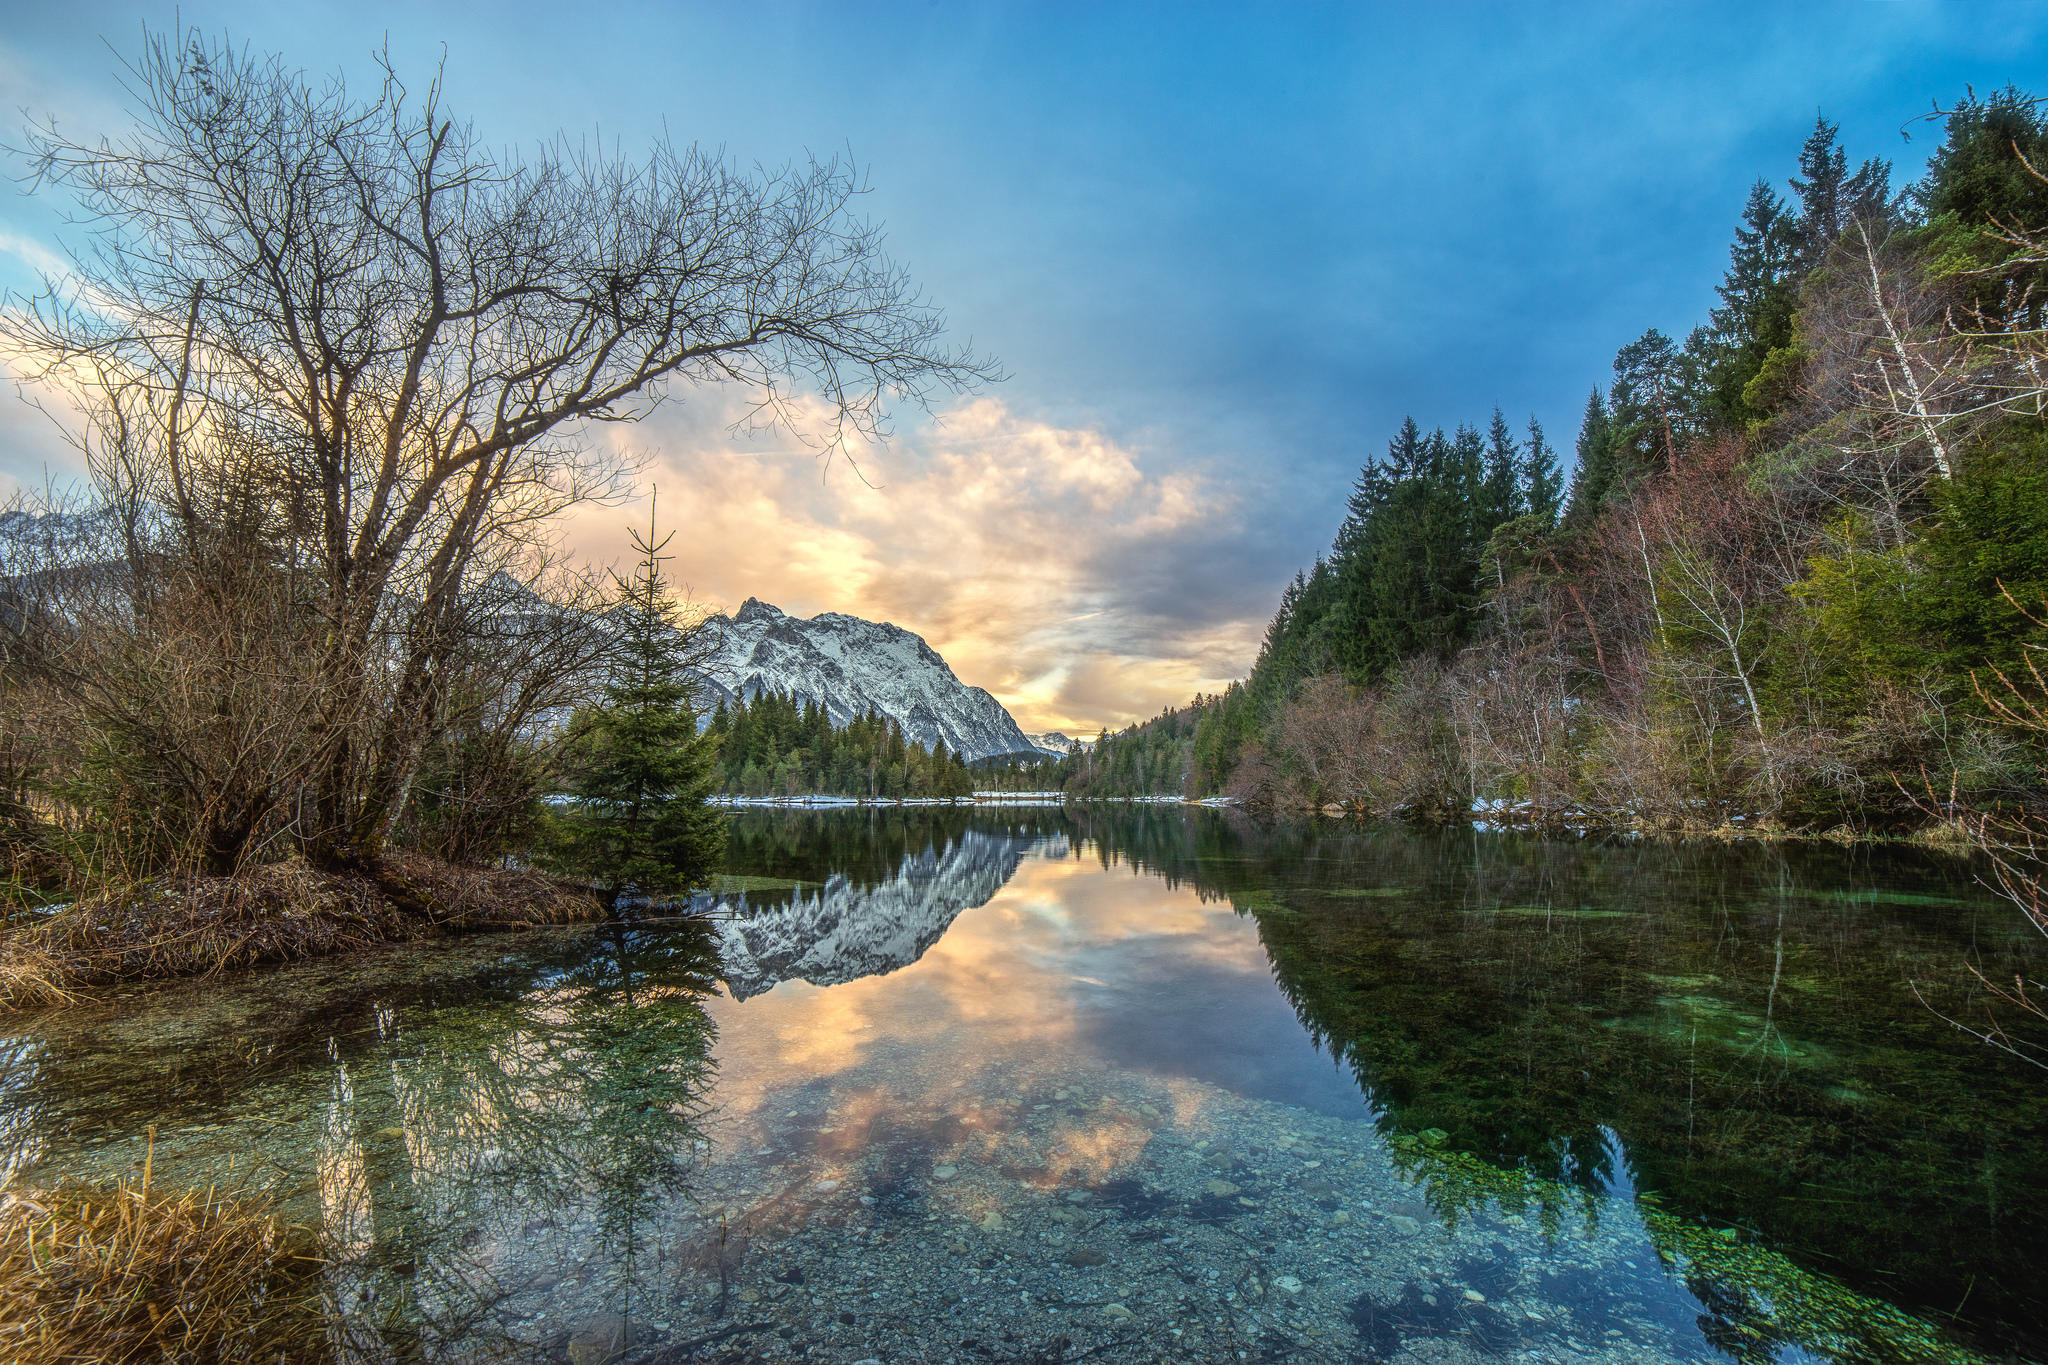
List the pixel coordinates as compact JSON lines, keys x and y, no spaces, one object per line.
{"x":1133,"y":1084}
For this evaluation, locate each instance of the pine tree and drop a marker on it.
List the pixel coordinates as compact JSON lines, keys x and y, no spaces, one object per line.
{"x":1644,"y":407}
{"x":638,"y":768}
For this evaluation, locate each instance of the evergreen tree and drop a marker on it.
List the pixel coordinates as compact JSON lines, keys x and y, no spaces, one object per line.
{"x":1977,"y":175}
{"x":1755,"y":314}
{"x":1502,"y":492}
{"x":1594,"y":474}
{"x":637,"y":766}
{"x":1542,"y":480}
{"x":1643,"y":405}
{"x":1822,"y":187}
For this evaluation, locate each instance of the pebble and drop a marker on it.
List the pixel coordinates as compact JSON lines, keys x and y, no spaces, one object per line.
{"x":826,"y":1186}
{"x":1222,"y":1189}
{"x":944,"y":1172}
{"x":1288,"y":1283}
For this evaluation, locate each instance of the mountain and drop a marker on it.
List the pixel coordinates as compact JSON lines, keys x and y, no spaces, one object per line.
{"x":853,"y":667}
{"x":844,"y":930}
{"x":1055,"y":743}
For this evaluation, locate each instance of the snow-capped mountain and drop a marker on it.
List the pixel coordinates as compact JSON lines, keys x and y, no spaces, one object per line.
{"x":845,"y":931}
{"x":1055,"y":743}
{"x":853,"y":667}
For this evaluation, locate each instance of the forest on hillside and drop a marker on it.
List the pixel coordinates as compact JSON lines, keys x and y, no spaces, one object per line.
{"x":1797,"y":577}
{"x":775,"y":745}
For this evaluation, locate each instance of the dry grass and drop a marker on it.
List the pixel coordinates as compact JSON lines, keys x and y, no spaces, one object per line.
{"x":488,"y":897}
{"x":280,"y":913}
{"x":90,"y":1274}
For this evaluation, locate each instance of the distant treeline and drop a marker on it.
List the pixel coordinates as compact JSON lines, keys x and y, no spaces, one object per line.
{"x":777,"y":746}
{"x":1799,"y":573}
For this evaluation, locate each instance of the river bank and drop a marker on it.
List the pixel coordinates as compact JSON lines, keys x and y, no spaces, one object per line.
{"x":286,"y":912}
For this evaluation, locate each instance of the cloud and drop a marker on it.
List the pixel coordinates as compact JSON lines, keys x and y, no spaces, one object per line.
{"x":1081,"y":583}
{"x":35,"y":450}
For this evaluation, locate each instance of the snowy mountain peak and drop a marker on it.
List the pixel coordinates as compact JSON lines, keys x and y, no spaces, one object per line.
{"x":854,"y":667}
{"x":1055,"y":743}
{"x":754,"y":609}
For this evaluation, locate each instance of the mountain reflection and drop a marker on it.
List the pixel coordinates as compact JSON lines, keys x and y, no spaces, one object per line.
{"x":1750,"y":1025}
{"x":846,"y":928}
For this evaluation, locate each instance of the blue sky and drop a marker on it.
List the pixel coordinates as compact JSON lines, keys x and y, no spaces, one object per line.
{"x":1221,"y":252}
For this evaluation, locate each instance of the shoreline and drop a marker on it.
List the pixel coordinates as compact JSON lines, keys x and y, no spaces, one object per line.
{"x":286,"y":913}
{"x":172,"y":928}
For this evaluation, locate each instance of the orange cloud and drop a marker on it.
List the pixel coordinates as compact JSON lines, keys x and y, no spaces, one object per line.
{"x":1007,"y":543}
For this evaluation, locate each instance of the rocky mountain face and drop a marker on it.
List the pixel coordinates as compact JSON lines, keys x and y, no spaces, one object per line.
{"x":843,"y":931}
{"x":853,"y":667}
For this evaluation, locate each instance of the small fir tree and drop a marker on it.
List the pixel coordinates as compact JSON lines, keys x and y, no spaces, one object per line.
{"x":638,"y":768}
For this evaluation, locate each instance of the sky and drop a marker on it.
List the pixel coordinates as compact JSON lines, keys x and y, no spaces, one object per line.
{"x":1218,"y":251}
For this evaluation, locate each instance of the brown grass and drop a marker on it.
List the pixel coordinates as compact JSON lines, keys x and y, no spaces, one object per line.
{"x":280,"y":913}
{"x":92,"y":1274}
{"x":487,"y":897}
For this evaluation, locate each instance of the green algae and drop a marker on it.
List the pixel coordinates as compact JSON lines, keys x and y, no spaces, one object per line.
{"x":1762,"y":1299}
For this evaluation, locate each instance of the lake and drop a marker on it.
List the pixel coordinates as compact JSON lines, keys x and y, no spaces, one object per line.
{"x":1133,"y":1084}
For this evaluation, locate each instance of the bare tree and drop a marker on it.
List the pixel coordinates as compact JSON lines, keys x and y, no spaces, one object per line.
{"x":1899,"y":377}
{"x":394,"y":342}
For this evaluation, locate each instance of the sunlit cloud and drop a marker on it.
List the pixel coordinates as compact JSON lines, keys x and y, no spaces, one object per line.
{"x":1054,"y":566}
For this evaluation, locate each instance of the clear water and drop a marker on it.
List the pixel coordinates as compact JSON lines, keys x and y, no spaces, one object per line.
{"x":1132,"y":1085}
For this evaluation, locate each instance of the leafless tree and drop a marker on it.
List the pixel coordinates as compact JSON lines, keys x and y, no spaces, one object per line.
{"x":1898,"y":378}
{"x":388,"y":346}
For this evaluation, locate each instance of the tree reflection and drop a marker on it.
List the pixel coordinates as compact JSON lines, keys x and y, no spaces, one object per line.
{"x":492,"y":1149}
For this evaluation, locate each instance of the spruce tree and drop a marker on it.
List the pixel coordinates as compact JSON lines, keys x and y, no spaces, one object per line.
{"x":1823,"y":193}
{"x":1501,"y":499}
{"x":1755,"y":314}
{"x":1594,"y":476}
{"x":638,"y":768}
{"x":1542,"y":480}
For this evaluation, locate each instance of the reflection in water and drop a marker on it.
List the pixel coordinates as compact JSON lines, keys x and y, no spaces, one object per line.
{"x":845,"y":929}
{"x":1008,"y":1086}
{"x":462,"y":1149}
